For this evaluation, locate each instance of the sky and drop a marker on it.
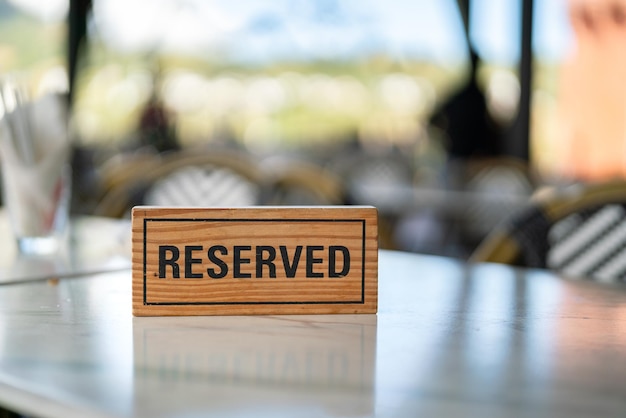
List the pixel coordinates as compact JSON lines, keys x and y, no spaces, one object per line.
{"x":257,"y":30}
{"x":271,"y":29}
{"x":497,"y":29}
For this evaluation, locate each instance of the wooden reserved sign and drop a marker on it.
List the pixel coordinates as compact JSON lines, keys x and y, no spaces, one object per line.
{"x":254,"y":260}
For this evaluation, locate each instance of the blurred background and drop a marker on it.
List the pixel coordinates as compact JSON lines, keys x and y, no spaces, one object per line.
{"x":445,"y":114}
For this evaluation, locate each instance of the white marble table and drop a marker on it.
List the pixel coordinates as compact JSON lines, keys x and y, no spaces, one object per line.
{"x":449,"y":340}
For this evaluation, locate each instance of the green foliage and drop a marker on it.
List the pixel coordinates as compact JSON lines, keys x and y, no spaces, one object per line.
{"x":26,"y":43}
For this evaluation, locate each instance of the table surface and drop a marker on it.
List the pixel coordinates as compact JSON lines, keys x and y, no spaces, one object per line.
{"x":449,"y":340}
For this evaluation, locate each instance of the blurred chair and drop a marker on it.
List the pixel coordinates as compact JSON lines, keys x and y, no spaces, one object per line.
{"x":188,"y":178}
{"x":125,"y":167}
{"x":367,"y":174}
{"x":578,"y":231}
{"x":495,"y":188}
{"x":294,"y":182}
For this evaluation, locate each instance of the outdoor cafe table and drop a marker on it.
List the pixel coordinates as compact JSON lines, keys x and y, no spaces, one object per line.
{"x":450,"y":339}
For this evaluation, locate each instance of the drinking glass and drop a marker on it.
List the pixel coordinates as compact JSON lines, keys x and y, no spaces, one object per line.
{"x":36,"y":176}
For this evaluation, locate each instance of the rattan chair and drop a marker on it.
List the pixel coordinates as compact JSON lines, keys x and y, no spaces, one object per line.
{"x":295,"y":182}
{"x":496,"y":186}
{"x":579,"y":231}
{"x":188,"y":178}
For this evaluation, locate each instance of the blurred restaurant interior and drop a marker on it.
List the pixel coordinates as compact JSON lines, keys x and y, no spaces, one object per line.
{"x":447,"y":115}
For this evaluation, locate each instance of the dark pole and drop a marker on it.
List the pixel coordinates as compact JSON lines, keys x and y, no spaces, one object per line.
{"x":77,"y":31}
{"x":518,"y":142}
{"x":464,"y":10}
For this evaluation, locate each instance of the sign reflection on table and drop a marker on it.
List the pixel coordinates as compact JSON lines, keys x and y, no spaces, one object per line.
{"x":299,"y":355}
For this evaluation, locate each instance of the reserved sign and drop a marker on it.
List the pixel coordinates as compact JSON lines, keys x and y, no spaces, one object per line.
{"x":254,"y":260}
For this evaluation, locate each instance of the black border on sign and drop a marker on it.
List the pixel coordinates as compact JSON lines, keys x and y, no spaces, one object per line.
{"x":333,"y":302}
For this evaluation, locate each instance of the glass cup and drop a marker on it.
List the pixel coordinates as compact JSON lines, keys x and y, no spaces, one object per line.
{"x":34,"y":150}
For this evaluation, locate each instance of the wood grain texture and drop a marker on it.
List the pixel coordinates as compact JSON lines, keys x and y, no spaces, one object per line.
{"x":254,"y":260}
